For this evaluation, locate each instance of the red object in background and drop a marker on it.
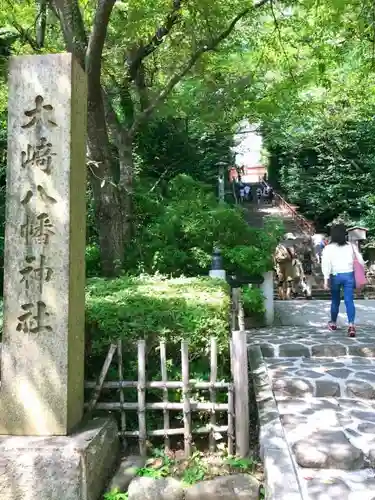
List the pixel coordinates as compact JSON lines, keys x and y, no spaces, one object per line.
{"x":256,"y":173}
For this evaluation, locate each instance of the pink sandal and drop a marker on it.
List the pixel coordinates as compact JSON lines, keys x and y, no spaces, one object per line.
{"x":332,"y":327}
{"x":351,"y":331}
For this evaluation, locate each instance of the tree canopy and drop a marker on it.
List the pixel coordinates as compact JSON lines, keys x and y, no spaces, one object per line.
{"x":169,"y":80}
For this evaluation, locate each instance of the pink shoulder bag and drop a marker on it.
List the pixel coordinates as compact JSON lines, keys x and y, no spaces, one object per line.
{"x":359,"y":271}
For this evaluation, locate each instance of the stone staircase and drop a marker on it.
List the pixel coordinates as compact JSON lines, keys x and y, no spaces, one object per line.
{"x":315,"y":392}
{"x":255,"y":216}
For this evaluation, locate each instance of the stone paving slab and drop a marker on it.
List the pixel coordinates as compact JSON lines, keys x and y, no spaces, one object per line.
{"x":347,"y":377}
{"x":335,"y":484}
{"x":316,"y":312}
{"x":331,"y":432}
{"x":289,"y":342}
{"x":318,"y":405}
{"x":281,"y":478}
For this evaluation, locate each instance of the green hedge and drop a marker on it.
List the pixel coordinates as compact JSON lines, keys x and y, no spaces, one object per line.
{"x":149,"y":307}
{"x":155,"y":308}
{"x":132,"y":308}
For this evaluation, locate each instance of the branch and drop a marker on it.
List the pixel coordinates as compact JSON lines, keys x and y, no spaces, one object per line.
{"x":73,"y":27}
{"x":110,"y":114}
{"x":41,"y":23}
{"x":96,"y":41}
{"x":278,"y":29}
{"x":134,"y":60}
{"x":205,"y":47}
{"x":24,"y":33}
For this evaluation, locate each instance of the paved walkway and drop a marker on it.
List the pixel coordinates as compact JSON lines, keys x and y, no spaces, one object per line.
{"x":315,"y":391}
{"x":316,"y":312}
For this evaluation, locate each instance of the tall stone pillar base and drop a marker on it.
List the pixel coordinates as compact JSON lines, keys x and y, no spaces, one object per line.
{"x":218,"y":274}
{"x":75,"y":467}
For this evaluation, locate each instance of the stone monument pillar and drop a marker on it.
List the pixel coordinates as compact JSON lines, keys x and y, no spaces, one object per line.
{"x":42,"y":358}
{"x":44,"y":273}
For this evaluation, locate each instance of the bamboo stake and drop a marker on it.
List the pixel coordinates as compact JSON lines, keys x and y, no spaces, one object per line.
{"x":164,"y":376}
{"x":142,"y":397}
{"x":122,"y":397}
{"x":102,"y":376}
{"x":213,"y":377}
{"x":230,"y":421}
{"x":241,"y":312}
{"x":177,"y":432}
{"x":164,"y":406}
{"x":241,"y":395}
{"x":235,"y":305}
{"x":155,"y":384}
{"x":186,"y":396}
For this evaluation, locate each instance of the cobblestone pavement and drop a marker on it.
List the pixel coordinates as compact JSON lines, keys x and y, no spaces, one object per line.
{"x":295,"y":341}
{"x":316,"y":313}
{"x":323,"y":389}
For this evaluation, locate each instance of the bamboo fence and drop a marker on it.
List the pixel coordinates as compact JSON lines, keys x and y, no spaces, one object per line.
{"x":237,"y":391}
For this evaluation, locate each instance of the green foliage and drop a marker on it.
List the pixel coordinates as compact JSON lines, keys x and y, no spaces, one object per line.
{"x":242,"y":464}
{"x":158,"y":473}
{"x":92,"y":260}
{"x":155,"y":307}
{"x":189,"y":471}
{"x":262,"y":493}
{"x":115,"y":495}
{"x":168,"y":146}
{"x":178,"y":236}
{"x":330,"y":171}
{"x":317,"y":109}
{"x":253,"y":300}
{"x":195,"y":471}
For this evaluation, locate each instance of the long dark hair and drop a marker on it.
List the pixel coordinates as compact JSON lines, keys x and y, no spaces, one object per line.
{"x":338,"y":234}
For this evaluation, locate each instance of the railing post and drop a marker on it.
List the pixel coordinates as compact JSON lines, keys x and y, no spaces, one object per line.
{"x":239,"y":360}
{"x":267,"y":288}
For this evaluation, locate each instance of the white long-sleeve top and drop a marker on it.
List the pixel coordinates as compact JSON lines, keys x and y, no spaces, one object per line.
{"x":339,"y":259}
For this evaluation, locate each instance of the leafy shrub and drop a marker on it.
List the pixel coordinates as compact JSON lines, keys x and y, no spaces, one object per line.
{"x":178,"y":238}
{"x":153,"y":308}
{"x":253,"y":301}
{"x":92,"y":260}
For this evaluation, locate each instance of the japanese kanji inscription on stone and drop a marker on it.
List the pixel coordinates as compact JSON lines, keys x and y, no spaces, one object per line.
{"x":43,"y":342}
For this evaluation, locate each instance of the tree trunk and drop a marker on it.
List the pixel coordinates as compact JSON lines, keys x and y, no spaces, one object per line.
{"x":112,"y":202}
{"x":112,"y":219}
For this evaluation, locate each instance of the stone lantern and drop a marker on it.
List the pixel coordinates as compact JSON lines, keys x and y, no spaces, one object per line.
{"x":217,"y":270}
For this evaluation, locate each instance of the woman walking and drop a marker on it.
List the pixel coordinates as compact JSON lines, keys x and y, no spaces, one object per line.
{"x":338,"y":271}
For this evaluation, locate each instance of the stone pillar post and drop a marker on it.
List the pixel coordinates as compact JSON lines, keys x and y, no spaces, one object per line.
{"x":267,"y":288}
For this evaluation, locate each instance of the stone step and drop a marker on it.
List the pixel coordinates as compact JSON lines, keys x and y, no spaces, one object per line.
{"x":350,"y":377}
{"x":311,"y":342}
{"x":320,"y":293}
{"x":321,"y":412}
{"x":327,"y":296}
